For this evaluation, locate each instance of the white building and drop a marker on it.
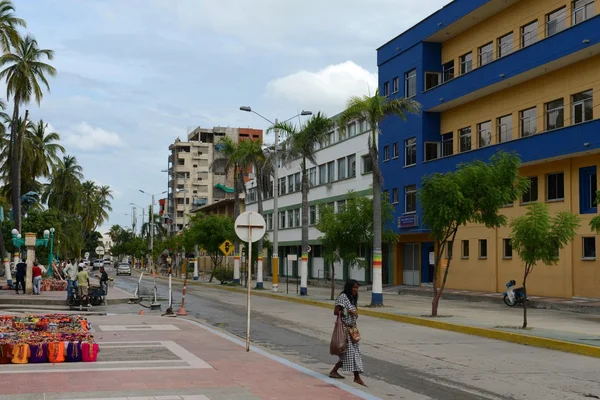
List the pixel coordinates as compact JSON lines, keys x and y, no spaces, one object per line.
{"x":343,"y":165}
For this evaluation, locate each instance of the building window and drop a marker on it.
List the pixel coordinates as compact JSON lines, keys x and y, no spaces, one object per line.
{"x":290,"y":218}
{"x":529,"y":34}
{"x":352,"y":128}
{"x":386,"y":89}
{"x":582,"y":10}
{"x":312,"y":176}
{"x":432,"y":151}
{"x":448,"y":71}
{"x":410,"y":195}
{"x":386,"y":152}
{"x":312,"y":215}
{"x":331,"y":171}
{"x":555,"y":186}
{"x":367,"y":164}
{"x":395,"y":85}
{"x":322,"y":174}
{"x":410,"y":152}
{"x":555,"y":114}
{"x":432,"y":79}
{"x":531,"y":195}
{"x":410,"y":83}
{"x":465,"y":139}
{"x":297,"y":182}
{"x":482,"y":248}
{"x":505,"y":128}
{"x":447,"y":144}
{"x":583,"y":106}
{"x":506,"y":248}
{"x":269,"y":218}
{"x":282,"y":186}
{"x":282,"y":220}
{"x":484,"y":131}
{"x":395,"y":150}
{"x":588,"y":186}
{"x":449,"y":245}
{"x":341,"y":168}
{"x":466,"y":63}
{"x":291,"y":184}
{"x":486,"y":54}
{"x":341,"y":206}
{"x":589,"y":248}
{"x":505,"y":45}
{"x":528,"y":122}
{"x":395,"y":196}
{"x":556,"y":21}
{"x":464,"y":249}
{"x":351,"y":166}
{"x":297,"y":217}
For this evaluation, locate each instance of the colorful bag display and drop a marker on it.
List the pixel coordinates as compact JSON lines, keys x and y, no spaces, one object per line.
{"x":6,"y":353}
{"x":56,"y":352}
{"x":38,"y":353}
{"x":20,"y":353}
{"x":73,"y":352}
{"x":89,"y":352}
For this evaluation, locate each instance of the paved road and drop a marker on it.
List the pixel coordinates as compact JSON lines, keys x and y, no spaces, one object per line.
{"x":401,"y":361}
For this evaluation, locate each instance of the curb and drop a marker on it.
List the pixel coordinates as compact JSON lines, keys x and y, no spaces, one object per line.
{"x":527,"y":340}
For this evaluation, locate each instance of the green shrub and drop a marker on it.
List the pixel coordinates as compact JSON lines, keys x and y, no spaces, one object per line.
{"x":223,"y":275}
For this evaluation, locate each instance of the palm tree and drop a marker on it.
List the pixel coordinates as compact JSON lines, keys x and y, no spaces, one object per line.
{"x":301,"y":144}
{"x":375,"y":109}
{"x":23,"y":73}
{"x":114,"y":233}
{"x":159,"y":229}
{"x":64,"y":186}
{"x":45,"y":149}
{"x":9,"y":36}
{"x":231,"y":163}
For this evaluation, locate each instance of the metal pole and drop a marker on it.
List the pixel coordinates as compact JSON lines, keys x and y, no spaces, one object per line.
{"x":143,"y":212}
{"x":249,"y":281}
{"x":275,"y":263}
{"x":170,"y":293}
{"x":152,"y":234}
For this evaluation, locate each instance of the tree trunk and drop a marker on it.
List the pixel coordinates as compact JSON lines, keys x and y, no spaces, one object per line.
{"x":16,"y":167}
{"x":304,"y":235}
{"x":332,"y":281}
{"x":438,"y":258}
{"x":438,"y":293}
{"x":527,"y":269}
{"x":377,"y":290}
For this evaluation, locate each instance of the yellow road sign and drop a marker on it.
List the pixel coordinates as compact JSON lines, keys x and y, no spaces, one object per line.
{"x":226,"y":248}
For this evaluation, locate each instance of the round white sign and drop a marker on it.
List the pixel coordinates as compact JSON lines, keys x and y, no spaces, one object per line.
{"x":250,"y":226}
{"x":100,"y":250}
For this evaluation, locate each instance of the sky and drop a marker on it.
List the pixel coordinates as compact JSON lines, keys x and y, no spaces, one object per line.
{"x":134,"y":75}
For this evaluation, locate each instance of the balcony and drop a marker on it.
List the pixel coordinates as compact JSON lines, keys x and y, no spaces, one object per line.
{"x":572,"y":45}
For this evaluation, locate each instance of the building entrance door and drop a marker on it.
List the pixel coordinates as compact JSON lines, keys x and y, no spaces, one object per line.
{"x":410,"y":264}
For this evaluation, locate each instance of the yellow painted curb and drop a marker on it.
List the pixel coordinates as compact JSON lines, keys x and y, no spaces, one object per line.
{"x":528,"y":340}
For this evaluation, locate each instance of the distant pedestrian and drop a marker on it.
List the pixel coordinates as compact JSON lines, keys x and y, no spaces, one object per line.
{"x":83,"y":282}
{"x":103,"y":280}
{"x":36,"y":271}
{"x":20,"y":273}
{"x":346,"y":307}
{"x":70,"y":272}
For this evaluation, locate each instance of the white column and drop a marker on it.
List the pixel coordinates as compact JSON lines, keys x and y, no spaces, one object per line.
{"x":196,"y":260}
{"x":259,"y":273}
{"x":7,"y":273}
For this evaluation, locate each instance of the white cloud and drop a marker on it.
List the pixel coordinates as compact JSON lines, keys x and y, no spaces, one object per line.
{"x":86,"y":137}
{"x":326,"y":90}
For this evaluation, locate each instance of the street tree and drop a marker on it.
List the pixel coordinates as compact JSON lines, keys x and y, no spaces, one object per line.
{"x":349,"y":230}
{"x":25,"y":72}
{"x":300,"y":144}
{"x":375,"y":109}
{"x":595,"y":222}
{"x":9,"y":35}
{"x":209,"y":232}
{"x":537,"y":237}
{"x":64,"y":186}
{"x":474,"y":193}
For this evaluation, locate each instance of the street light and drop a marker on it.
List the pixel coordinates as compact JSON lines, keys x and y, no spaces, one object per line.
{"x":135,"y":218}
{"x":152,"y":226}
{"x":275,"y":265}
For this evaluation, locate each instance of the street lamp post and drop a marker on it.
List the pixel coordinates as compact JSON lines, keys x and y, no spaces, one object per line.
{"x":152,"y":228}
{"x":275,"y":263}
{"x":135,"y":212}
{"x":31,"y":242}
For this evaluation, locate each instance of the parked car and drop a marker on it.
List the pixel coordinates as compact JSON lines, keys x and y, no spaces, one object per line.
{"x":97,"y":264}
{"x":124,"y":269}
{"x":106,"y":263}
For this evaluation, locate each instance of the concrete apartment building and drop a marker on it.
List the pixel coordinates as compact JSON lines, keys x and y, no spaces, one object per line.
{"x":343,"y":165}
{"x":497,"y":75}
{"x":192,"y":182}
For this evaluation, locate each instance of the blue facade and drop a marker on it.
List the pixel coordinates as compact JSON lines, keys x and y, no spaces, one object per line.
{"x":412,"y":50}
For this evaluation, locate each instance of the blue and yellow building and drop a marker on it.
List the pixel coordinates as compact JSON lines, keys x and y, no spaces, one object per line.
{"x":514,"y":75}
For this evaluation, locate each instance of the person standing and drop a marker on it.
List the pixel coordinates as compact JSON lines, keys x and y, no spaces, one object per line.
{"x":20,"y":273}
{"x":346,"y":307}
{"x":83,"y":282}
{"x":70,"y":272}
{"x":36,"y":271}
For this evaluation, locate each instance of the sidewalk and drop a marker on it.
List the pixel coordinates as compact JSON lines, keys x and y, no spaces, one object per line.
{"x":167,"y":358}
{"x":566,"y":331}
{"x":55,"y":298}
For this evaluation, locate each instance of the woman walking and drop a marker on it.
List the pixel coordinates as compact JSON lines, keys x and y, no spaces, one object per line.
{"x":346,"y":308}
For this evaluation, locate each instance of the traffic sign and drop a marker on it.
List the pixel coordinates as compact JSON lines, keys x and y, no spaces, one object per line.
{"x":308,"y":249}
{"x":226,"y":248}
{"x":86,"y":255}
{"x":250,"y":226}
{"x":100,"y":250}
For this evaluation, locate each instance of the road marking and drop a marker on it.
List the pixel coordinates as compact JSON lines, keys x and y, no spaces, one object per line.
{"x":120,"y":328}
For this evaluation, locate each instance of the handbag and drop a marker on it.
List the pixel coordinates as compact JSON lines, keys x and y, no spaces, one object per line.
{"x":354,"y":333}
{"x":338,"y":343}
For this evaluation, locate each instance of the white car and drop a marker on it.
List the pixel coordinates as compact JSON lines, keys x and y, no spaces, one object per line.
{"x":123,"y":269}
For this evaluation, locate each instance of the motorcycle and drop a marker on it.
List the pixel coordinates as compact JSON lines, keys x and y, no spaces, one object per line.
{"x":514,"y":295}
